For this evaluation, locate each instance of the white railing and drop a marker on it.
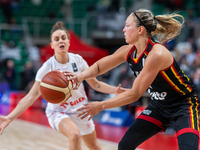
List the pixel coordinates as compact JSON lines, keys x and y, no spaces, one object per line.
{"x":70,"y":23}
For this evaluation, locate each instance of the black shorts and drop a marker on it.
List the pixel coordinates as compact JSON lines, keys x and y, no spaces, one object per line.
{"x":181,"y":115}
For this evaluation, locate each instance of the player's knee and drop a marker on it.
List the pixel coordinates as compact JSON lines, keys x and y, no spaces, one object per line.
{"x":75,"y":136}
{"x":122,"y":146}
{"x":188,"y":141}
{"x":129,"y":142}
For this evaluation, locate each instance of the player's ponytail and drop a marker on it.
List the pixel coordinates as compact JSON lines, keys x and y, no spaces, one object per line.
{"x":166,"y":26}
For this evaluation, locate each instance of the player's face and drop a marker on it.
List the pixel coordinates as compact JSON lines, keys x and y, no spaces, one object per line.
{"x":59,"y":41}
{"x":130,"y":30}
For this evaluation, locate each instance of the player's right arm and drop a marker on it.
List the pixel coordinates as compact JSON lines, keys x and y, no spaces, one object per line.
{"x":101,"y":66}
{"x":24,"y":103}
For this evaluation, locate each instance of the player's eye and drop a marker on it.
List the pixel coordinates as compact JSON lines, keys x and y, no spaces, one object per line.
{"x":63,"y":37}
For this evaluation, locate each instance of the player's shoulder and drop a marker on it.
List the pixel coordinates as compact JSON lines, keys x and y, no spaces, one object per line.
{"x":159,"y":49}
{"x":123,"y":51}
{"x":49,"y":61}
{"x":76,"y":57}
{"x":160,"y":53}
{"x":126,"y":47}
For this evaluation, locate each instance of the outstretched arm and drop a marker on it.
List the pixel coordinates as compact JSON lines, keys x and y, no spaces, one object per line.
{"x":156,"y":61}
{"x":100,"y":67}
{"x":104,"y":87}
{"x":24,"y":103}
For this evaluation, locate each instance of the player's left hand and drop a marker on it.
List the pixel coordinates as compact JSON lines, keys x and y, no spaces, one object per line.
{"x":119,"y":89}
{"x":90,"y":109}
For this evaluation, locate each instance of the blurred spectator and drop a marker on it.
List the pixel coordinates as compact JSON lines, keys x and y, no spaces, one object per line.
{"x":34,"y":57}
{"x":8,"y":50}
{"x":7,"y":11}
{"x":137,"y":4}
{"x":36,"y":2}
{"x":172,"y":4}
{"x":196,"y":80}
{"x":120,"y":75}
{"x":177,"y":54}
{"x":66,"y":9}
{"x":51,"y":14}
{"x":15,"y":4}
{"x":10,"y":73}
{"x":27,"y":76}
{"x":190,"y":56}
{"x":103,"y":5}
{"x":196,"y":62}
{"x":114,"y":6}
{"x":184,"y":66}
{"x":186,"y":50}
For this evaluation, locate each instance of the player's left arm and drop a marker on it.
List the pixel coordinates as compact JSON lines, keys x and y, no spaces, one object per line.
{"x":104,"y":87}
{"x":158,"y":59}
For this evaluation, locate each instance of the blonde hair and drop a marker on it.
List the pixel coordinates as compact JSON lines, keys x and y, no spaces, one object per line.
{"x":166,"y":26}
{"x":59,"y":26}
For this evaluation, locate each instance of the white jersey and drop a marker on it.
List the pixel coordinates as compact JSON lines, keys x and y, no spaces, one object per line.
{"x":77,"y":65}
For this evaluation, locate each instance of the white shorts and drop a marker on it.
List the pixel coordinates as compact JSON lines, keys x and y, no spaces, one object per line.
{"x":85,"y":127}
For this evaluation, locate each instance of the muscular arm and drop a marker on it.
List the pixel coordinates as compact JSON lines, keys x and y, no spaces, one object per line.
{"x":107,"y":63}
{"x":157,"y":60}
{"x":103,"y":65}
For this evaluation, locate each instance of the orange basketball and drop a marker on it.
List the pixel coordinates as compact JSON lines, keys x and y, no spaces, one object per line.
{"x":55,"y":87}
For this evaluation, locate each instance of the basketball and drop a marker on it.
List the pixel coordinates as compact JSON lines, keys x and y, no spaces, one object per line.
{"x":55,"y":87}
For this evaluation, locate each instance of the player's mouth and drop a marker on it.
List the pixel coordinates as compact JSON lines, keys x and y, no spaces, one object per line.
{"x":62,"y":46}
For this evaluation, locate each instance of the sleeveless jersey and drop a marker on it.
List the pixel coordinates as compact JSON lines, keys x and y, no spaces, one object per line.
{"x":169,"y":84}
{"x":77,"y":65}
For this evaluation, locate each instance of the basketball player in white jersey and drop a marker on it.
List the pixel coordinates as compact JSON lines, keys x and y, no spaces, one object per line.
{"x":63,"y":117}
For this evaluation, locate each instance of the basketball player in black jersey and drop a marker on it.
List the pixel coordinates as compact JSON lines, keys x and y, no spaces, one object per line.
{"x":174,"y":99}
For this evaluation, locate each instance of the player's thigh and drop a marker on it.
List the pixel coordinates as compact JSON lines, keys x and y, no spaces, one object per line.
{"x":186,"y":127}
{"x":68,"y":128}
{"x":138,"y":132}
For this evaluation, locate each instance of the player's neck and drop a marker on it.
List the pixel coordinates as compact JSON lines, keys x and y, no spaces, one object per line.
{"x":62,"y":59}
{"x":141,"y":45}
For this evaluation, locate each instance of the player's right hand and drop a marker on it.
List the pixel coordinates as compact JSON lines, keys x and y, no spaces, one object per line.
{"x":75,"y":78}
{"x":4,"y":122}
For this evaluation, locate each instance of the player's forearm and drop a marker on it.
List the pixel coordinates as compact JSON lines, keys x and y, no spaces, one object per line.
{"x":105,"y":88}
{"x":20,"y":108}
{"x":122,"y":99}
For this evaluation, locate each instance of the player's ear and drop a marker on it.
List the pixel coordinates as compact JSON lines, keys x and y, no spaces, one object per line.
{"x":51,"y":45}
{"x":141,"y":29}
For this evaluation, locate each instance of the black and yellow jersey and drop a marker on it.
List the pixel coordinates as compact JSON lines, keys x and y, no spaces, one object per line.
{"x":169,"y":84}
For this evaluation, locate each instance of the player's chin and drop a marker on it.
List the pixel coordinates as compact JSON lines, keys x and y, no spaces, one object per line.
{"x":126,"y":40}
{"x":62,"y":51}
